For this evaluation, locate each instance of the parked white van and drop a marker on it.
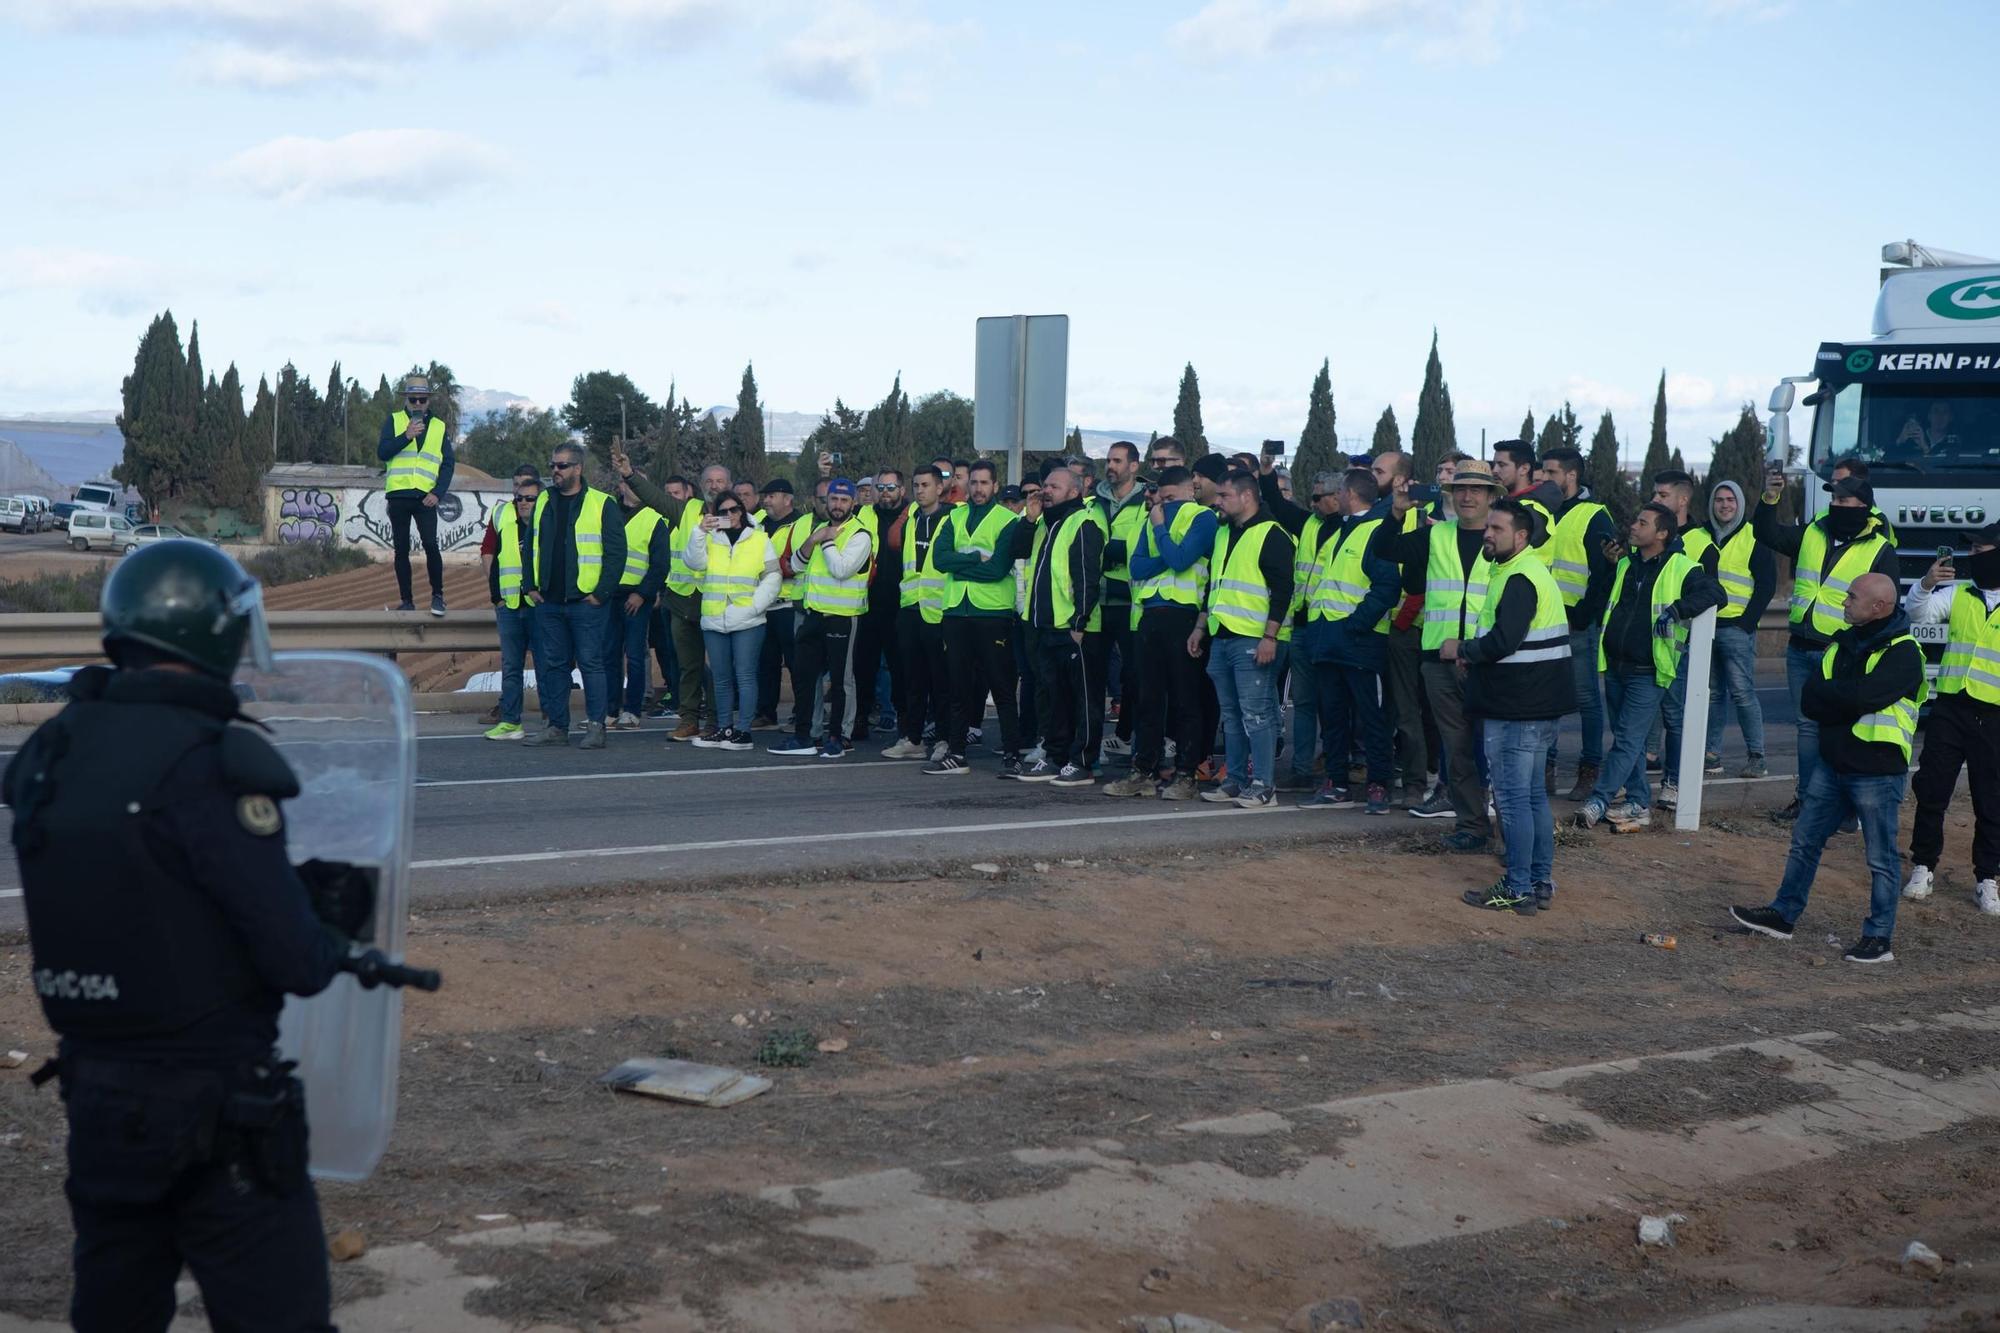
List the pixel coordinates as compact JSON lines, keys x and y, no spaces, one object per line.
{"x":15,"y":515}
{"x":101,"y":532}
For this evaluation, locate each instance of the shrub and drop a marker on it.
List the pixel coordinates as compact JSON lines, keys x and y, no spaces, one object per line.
{"x":55,"y":592}
{"x":307,"y":560}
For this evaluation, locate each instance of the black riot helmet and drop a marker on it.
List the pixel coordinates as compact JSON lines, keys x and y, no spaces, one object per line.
{"x":188,"y":601}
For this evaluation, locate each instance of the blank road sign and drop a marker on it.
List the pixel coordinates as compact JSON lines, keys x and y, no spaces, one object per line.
{"x":1021,"y":383}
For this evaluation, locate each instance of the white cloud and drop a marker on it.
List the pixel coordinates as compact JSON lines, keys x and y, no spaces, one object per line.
{"x":1437,"y":30}
{"x":546,"y":315}
{"x":370,"y":335}
{"x":845,"y":54}
{"x":398,"y":165}
{"x":1689,"y":392}
{"x":103,"y":283}
{"x":234,"y":64}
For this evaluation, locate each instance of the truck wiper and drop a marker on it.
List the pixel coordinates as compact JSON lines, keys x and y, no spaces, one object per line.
{"x":1905,"y":464}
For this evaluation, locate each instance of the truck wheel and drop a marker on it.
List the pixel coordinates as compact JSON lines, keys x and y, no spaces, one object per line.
{"x":79,"y":543}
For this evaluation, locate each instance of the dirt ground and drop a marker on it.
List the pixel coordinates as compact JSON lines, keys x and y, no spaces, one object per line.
{"x":1091,"y":1011}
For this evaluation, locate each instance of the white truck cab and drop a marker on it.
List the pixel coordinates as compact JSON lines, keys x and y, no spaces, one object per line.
{"x":1919,"y":402}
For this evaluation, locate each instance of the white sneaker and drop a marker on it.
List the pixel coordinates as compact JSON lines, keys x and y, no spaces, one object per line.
{"x":1171,"y":751}
{"x":1035,"y":755}
{"x":904,"y":750}
{"x":627,"y":722}
{"x":1921,"y":883}
{"x":1114,"y":746}
{"x":1988,"y":894}
{"x":1670,"y":795}
{"x":940,"y":750}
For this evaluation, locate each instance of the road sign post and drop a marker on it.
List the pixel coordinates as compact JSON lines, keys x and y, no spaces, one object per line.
{"x":1020,"y":386}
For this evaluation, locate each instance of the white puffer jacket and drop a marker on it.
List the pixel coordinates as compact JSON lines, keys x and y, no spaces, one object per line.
{"x":733,"y":617}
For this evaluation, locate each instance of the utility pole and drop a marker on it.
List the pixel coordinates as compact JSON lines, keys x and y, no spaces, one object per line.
{"x":346,"y":445}
{"x":621,"y":416}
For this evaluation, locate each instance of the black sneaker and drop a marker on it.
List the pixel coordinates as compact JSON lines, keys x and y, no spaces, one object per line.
{"x":1500,"y":898}
{"x":1074,"y":775}
{"x":1654,"y":764}
{"x":946,"y":764}
{"x":1545,"y":896}
{"x":406,"y":605}
{"x":1786,"y":814}
{"x":1465,"y":844}
{"x":1871,"y":949}
{"x":1763,"y":921}
{"x":1010,"y":768}
{"x":437,"y":604}
{"x":1039,"y":771}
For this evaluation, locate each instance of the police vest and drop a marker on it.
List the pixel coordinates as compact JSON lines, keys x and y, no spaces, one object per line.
{"x":1568,"y":559}
{"x":680,"y":578}
{"x":1971,"y":662}
{"x":1129,"y":527}
{"x":507,"y":526}
{"x":1181,"y":587}
{"x":923,"y":585}
{"x":1897,"y":724}
{"x":734,"y":570}
{"x":1340,"y":581}
{"x":982,"y":542}
{"x":1547,"y":639}
{"x":1052,"y":553}
{"x":1819,"y":592}
{"x":1732,"y":571}
{"x":1238,"y":598}
{"x":586,"y":548}
{"x":792,"y":586}
{"x":416,"y":466}
{"x":125,"y":944}
{"x":639,"y":531}
{"x":1452,"y":596}
{"x":1666,"y":591}
{"x":837,"y":596}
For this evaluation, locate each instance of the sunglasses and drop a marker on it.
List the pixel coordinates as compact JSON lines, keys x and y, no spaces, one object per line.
{"x":725,"y":513}
{"x":416,"y":400}
{"x":557,"y":465}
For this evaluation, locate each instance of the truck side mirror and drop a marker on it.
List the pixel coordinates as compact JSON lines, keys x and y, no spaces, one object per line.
{"x":1781,"y":398}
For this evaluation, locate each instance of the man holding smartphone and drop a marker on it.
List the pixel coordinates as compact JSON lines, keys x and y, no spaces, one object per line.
{"x":417,"y":448}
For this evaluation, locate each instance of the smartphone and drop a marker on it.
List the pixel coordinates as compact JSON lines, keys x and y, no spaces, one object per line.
{"x":1274,"y":448}
{"x":1423,"y":494}
{"x":835,"y":458}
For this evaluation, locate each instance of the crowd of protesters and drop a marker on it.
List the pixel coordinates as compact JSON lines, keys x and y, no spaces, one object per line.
{"x":1141,"y":634}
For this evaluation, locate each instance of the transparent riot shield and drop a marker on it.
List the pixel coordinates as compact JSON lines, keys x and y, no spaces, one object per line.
{"x":343,"y":722}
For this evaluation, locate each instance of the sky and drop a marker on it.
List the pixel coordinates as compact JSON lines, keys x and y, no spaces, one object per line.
{"x":1577,"y":195}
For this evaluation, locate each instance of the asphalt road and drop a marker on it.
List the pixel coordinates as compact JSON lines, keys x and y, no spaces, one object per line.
{"x":495,"y":820}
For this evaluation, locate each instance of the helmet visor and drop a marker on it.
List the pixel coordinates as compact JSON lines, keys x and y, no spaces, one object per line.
{"x":248,"y":606}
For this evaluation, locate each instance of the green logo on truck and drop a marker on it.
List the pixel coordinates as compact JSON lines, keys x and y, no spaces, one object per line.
{"x":1859,"y":361}
{"x":1974,"y":298}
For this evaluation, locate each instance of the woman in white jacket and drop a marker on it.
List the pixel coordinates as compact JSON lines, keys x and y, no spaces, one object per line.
{"x":738,"y":568}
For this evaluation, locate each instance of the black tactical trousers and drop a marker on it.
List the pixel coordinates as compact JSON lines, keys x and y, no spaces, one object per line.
{"x":157,"y":1180}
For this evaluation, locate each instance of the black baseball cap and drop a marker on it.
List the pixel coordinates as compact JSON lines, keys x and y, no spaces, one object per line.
{"x":776,"y":484}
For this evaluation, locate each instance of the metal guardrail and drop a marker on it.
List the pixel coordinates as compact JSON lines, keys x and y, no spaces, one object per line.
{"x":77,"y":635}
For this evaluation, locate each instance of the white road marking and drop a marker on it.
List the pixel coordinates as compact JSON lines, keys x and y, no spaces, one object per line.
{"x":806,"y":764}
{"x":10,"y":893}
{"x":726,"y":844}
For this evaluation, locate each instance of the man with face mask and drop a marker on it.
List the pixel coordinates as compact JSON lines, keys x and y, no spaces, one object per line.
{"x":1865,"y":698}
{"x":1963,"y":730}
{"x":1748,"y":574}
{"x":1828,"y":555}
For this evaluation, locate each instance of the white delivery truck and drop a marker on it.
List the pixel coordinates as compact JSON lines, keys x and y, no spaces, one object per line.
{"x":99,"y":497}
{"x":1918,"y":401}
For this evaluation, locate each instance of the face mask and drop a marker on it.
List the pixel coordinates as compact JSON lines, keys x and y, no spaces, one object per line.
{"x":1844,"y":522}
{"x":1984,"y":567}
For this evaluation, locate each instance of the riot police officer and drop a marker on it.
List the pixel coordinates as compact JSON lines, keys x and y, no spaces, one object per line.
{"x":167,"y":925}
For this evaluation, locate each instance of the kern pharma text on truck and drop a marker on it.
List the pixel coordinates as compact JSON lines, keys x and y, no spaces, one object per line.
{"x":1919,"y":402}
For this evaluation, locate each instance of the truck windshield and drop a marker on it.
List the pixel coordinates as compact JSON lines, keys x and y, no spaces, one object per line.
{"x":1935,"y":428}
{"x":95,"y":495}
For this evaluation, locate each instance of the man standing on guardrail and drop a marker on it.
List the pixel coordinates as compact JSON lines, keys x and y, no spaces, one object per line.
{"x":508,"y":549}
{"x":1963,"y":730}
{"x":579,"y":539}
{"x":418,"y":451}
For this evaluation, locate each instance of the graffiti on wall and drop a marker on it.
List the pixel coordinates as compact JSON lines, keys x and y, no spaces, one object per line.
{"x":306,"y":515}
{"x":461,"y":521}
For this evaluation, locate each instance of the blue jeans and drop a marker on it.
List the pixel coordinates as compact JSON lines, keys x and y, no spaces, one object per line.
{"x":569,"y":635}
{"x":1305,"y":720}
{"x":1248,"y":696}
{"x":1589,"y":703}
{"x":1663,"y":738}
{"x":1634,"y":700}
{"x":517,"y":631}
{"x":1515,"y":752}
{"x":1350,"y":700}
{"x":1830,"y":798}
{"x":1800,"y":666}
{"x":733,"y":658}
{"x":1735,"y":682}
{"x":626,"y":640}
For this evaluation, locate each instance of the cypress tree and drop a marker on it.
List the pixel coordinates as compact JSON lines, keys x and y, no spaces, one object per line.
{"x":1388,"y":435}
{"x":1319,"y":445}
{"x":1657,"y":457}
{"x":1561,"y":431}
{"x":1601,"y":474}
{"x":1433,"y":435}
{"x":1073,"y":443}
{"x":157,"y":417}
{"x":1527,"y":426}
{"x":1739,"y":455}
{"x":744,"y":437}
{"x":1187,"y":416}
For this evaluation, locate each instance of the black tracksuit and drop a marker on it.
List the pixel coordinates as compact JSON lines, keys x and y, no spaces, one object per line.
{"x":1072,"y":691}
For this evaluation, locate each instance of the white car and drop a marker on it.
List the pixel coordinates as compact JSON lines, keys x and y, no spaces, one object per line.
{"x":146,"y":534}
{"x":90,"y":532}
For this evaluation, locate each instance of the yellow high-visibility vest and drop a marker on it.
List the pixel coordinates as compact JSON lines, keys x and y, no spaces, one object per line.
{"x":416,"y":466}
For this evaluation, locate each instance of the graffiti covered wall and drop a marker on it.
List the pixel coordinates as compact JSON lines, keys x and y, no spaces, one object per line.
{"x":359,"y":516}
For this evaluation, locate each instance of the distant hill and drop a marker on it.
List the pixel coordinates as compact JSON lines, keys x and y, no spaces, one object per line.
{"x":65,"y":452}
